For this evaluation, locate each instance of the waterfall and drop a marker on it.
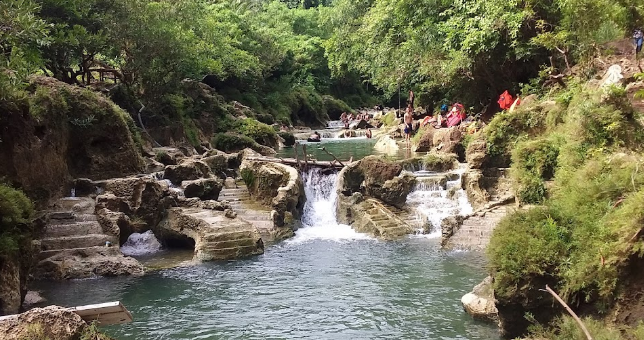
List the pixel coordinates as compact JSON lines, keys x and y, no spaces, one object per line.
{"x":319,"y":216}
{"x":439,"y":197}
{"x":73,"y":193}
{"x":334,"y":124}
{"x":141,"y":244}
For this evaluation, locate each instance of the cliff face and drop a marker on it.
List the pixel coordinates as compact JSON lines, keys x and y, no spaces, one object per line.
{"x":59,"y":132}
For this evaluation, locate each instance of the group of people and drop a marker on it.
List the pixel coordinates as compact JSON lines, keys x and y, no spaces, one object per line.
{"x":348,"y":118}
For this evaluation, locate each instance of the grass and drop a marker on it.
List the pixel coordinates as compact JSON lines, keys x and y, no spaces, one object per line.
{"x":566,"y":328}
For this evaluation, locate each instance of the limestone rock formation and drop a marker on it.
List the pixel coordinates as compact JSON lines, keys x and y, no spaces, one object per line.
{"x":445,"y":140}
{"x":213,"y":235}
{"x":187,"y":170}
{"x":70,"y":133}
{"x":480,"y":302}
{"x":280,"y":188}
{"x":53,"y":322}
{"x":371,"y":217}
{"x":76,"y":243}
{"x":80,"y":263}
{"x":204,"y":188}
{"x":376,"y":178}
{"x":10,"y":299}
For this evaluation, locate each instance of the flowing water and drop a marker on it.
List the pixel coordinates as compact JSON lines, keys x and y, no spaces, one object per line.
{"x":328,"y":282}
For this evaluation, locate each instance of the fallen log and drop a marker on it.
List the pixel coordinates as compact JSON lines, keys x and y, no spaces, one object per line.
{"x":294,"y":162}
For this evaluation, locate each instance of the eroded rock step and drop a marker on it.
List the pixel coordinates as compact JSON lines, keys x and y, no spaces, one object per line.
{"x":241,"y":202}
{"x":476,"y":231}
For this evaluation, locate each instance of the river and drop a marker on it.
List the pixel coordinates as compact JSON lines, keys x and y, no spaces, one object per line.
{"x":328,"y":282}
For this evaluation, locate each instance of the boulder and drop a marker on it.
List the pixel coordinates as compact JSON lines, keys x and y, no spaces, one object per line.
{"x":33,"y":298}
{"x":87,"y":262}
{"x":204,"y":188}
{"x":480,"y":302}
{"x":393,"y":191}
{"x":449,"y":140}
{"x":186,"y":171}
{"x":218,"y":164}
{"x":476,"y":154}
{"x":52,"y":322}
{"x":362,"y":124}
{"x":152,"y":165}
{"x":426,"y":142}
{"x":213,"y":235}
{"x":387,"y":145}
{"x":613,"y":76}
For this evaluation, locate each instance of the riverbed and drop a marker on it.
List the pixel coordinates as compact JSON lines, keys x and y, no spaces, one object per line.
{"x":328,"y":282}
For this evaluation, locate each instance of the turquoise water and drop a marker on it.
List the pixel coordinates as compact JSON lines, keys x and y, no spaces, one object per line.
{"x":343,"y":149}
{"x":308,"y":289}
{"x":328,"y":282}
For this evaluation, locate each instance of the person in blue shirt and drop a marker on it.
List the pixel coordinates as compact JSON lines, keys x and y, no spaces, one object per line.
{"x":638,"y":35}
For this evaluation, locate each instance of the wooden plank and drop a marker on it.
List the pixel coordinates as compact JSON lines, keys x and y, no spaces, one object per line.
{"x":109,"y":313}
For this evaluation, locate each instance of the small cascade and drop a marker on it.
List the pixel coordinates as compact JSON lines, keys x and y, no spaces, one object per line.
{"x":73,"y":193}
{"x":319,"y":216}
{"x":335,"y":124}
{"x":141,"y":244}
{"x":174,"y":188}
{"x":436,"y":197}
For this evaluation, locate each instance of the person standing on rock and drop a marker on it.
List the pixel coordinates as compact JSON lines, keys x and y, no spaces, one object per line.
{"x":638,"y":35}
{"x":408,"y":120}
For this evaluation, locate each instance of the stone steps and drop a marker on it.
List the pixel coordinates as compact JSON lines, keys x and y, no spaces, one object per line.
{"x":241,"y":202}
{"x":49,"y":253}
{"x":476,"y":231}
{"x":83,"y":241}
{"x":72,"y":229}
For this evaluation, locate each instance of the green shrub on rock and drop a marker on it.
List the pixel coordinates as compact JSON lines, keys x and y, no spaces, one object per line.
{"x":257,"y":131}
{"x":231,"y":142}
{"x":16,"y":211}
{"x":533,"y":162}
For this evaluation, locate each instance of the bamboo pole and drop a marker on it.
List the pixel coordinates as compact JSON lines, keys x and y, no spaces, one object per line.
{"x":332,"y":155}
{"x":297,"y":155}
{"x":574,"y":316}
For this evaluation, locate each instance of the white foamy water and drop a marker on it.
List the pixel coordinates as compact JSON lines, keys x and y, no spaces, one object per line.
{"x":141,"y":244}
{"x":434,"y":203}
{"x":318,"y":219}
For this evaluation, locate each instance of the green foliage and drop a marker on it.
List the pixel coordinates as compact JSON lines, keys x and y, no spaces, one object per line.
{"x":16,"y":211}
{"x":257,"y":131}
{"x":389,"y":119}
{"x":231,"y":142}
{"x":91,"y":332}
{"x":439,"y":161}
{"x":533,"y":162}
{"x":566,"y":328}
{"x":507,"y":128}
{"x":579,"y":241}
{"x":525,"y":246}
{"x":35,"y":332}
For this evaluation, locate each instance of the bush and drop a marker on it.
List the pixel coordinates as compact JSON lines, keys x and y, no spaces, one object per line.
{"x":533,"y":162}
{"x":266,"y":118}
{"x":231,"y":142}
{"x":16,"y":211}
{"x":526,"y":246}
{"x":257,"y":131}
{"x":335,"y":107}
{"x":289,"y":139}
